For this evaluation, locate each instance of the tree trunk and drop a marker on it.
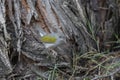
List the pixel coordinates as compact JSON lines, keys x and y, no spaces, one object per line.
{"x":84,"y":26}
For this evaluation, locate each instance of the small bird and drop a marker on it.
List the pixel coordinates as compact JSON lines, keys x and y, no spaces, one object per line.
{"x":48,"y":39}
{"x":51,"y":40}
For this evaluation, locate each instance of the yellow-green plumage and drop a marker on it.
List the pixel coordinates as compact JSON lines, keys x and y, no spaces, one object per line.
{"x":48,"y":39}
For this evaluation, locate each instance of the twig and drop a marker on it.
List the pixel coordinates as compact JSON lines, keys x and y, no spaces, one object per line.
{"x":103,"y":76}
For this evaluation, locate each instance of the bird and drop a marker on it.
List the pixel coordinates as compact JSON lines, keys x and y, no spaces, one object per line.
{"x":51,"y":40}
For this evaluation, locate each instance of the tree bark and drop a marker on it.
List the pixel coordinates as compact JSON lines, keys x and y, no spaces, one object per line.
{"x":84,"y":26}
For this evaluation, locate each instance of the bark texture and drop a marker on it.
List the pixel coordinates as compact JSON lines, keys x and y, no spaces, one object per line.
{"x":84,"y":25}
